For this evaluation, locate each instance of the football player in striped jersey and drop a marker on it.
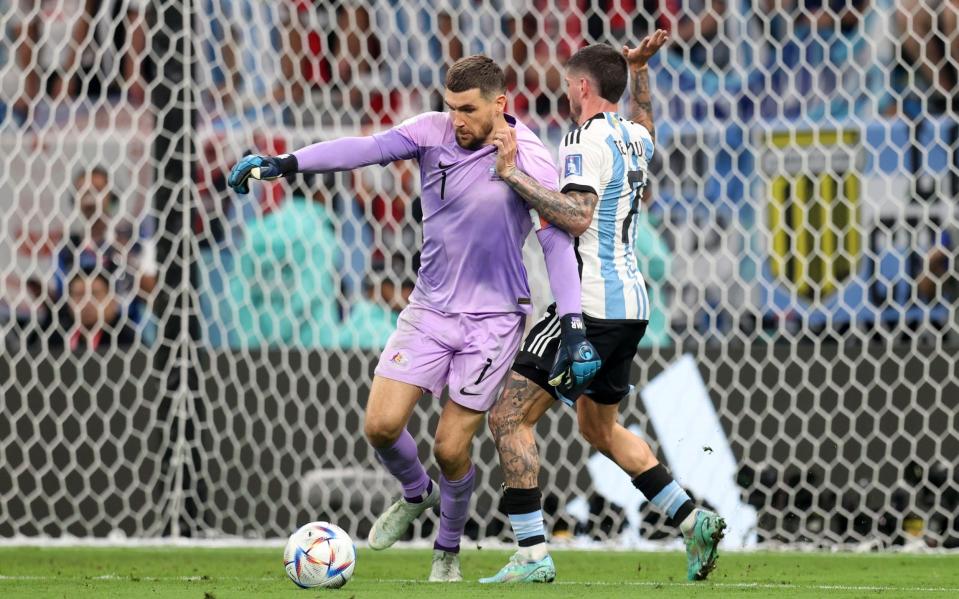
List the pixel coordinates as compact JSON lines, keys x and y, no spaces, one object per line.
{"x":603,"y":166}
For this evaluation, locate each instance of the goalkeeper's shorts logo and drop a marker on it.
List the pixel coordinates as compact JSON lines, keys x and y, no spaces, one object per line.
{"x":399,"y":359}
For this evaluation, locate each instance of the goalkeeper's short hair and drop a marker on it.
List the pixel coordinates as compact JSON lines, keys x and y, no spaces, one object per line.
{"x":476,"y":71}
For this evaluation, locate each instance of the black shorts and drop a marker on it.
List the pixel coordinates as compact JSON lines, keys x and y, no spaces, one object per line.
{"x":615,"y":340}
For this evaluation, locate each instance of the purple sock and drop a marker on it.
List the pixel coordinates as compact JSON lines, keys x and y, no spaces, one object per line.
{"x":404,"y":464}
{"x":454,"y":509}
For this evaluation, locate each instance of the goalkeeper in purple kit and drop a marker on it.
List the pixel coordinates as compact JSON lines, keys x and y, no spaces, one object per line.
{"x":466,"y":316}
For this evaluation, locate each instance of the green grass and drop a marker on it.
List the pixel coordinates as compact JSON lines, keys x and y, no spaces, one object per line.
{"x":224,"y":573}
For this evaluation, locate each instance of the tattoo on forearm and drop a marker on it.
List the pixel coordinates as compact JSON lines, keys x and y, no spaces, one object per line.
{"x":565,"y":210}
{"x":519,"y":456}
{"x":641,"y":103}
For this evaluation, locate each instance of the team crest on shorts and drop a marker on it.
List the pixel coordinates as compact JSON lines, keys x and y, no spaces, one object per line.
{"x":399,"y":359}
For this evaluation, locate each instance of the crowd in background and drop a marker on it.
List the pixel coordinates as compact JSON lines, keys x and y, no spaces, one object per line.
{"x":296,"y":66}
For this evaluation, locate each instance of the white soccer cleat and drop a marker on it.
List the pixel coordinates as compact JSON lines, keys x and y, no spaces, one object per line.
{"x":446,"y":567}
{"x":392,"y":525}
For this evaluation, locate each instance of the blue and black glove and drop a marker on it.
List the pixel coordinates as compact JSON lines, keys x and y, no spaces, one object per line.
{"x":261,"y":168}
{"x":577,"y":361}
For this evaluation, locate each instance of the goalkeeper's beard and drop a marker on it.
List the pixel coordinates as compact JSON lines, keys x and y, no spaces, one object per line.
{"x":475,"y":142}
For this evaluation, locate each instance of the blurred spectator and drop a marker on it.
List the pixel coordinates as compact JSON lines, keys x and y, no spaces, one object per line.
{"x":265,"y":60}
{"x":654,"y":262}
{"x":32,"y":314}
{"x":700,"y":30}
{"x":703,"y":78}
{"x":928,"y":57}
{"x":304,"y":67}
{"x":821,"y":60}
{"x":92,"y":317}
{"x":71,"y":48}
{"x":107,"y":50}
{"x":372,"y":319}
{"x":937,"y":283}
{"x":447,"y":41}
{"x":406,"y":290}
{"x":284,"y":287}
{"x":23,"y":28}
{"x":221,"y":36}
{"x":614,"y":21}
{"x":357,"y":61}
{"x":101,"y":239}
{"x":388,"y":198}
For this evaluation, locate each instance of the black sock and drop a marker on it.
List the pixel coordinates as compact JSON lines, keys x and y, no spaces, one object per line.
{"x":675,"y":502}
{"x":525,"y":510}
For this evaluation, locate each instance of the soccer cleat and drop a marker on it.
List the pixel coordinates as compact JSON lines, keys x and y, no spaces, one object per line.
{"x":392,"y":525}
{"x":446,"y":567}
{"x":701,"y":544}
{"x":520,"y":570}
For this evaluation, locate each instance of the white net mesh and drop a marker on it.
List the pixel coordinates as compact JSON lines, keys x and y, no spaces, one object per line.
{"x":180,"y":360}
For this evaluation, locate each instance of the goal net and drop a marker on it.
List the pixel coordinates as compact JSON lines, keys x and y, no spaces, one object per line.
{"x":179,"y":360}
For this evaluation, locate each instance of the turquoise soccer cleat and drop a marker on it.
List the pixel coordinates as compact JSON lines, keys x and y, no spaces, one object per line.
{"x":701,"y":544}
{"x":520,"y":570}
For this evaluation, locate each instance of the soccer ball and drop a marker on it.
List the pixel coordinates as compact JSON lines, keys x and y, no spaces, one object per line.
{"x":319,"y":554}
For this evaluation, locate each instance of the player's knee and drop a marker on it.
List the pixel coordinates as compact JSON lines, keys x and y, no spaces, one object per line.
{"x":596,"y":434}
{"x":380,"y":432}
{"x":450,"y":456}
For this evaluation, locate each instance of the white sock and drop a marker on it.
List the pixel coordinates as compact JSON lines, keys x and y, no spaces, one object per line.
{"x":534,"y":553}
{"x":686,"y":526}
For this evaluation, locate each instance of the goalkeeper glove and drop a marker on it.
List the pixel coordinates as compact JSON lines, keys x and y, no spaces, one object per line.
{"x":262,"y":168}
{"x":577,"y":361}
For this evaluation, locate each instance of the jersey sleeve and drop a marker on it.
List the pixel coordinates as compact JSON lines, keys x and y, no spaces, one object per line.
{"x":534,"y":159}
{"x":423,"y":130}
{"x":580,"y":163}
{"x":402,"y":142}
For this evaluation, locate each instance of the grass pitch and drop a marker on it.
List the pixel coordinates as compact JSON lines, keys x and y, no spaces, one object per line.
{"x":225,"y":573}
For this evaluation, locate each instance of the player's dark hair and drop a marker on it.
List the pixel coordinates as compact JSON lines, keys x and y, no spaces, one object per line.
{"x":604,"y":65}
{"x":476,"y":71}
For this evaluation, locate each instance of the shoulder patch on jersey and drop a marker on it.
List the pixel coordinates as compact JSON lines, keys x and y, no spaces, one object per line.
{"x":573,"y":166}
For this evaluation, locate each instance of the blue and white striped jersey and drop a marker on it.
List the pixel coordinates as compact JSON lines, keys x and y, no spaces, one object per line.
{"x":609,"y":155}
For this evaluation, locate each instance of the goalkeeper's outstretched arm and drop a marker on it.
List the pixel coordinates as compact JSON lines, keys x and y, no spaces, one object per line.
{"x":344,"y":154}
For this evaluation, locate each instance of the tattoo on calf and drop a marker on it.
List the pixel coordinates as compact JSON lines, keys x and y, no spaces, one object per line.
{"x":516,"y":444}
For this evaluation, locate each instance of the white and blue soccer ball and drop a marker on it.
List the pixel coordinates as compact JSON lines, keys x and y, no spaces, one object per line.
{"x":319,"y":554}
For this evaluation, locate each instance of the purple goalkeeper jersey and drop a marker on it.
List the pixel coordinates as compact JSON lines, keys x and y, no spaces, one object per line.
{"x":474,"y":224}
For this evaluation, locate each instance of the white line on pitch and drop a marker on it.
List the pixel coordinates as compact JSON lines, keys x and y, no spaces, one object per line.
{"x":634,"y":583}
{"x":731,"y":585}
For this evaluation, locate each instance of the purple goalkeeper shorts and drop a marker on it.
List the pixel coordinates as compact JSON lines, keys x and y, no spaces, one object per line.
{"x":472,"y":353}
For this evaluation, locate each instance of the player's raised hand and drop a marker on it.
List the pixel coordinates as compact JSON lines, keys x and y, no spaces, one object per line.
{"x":638,"y":57}
{"x":261,"y":168}
{"x":505,"y":141}
{"x":577,"y":361}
